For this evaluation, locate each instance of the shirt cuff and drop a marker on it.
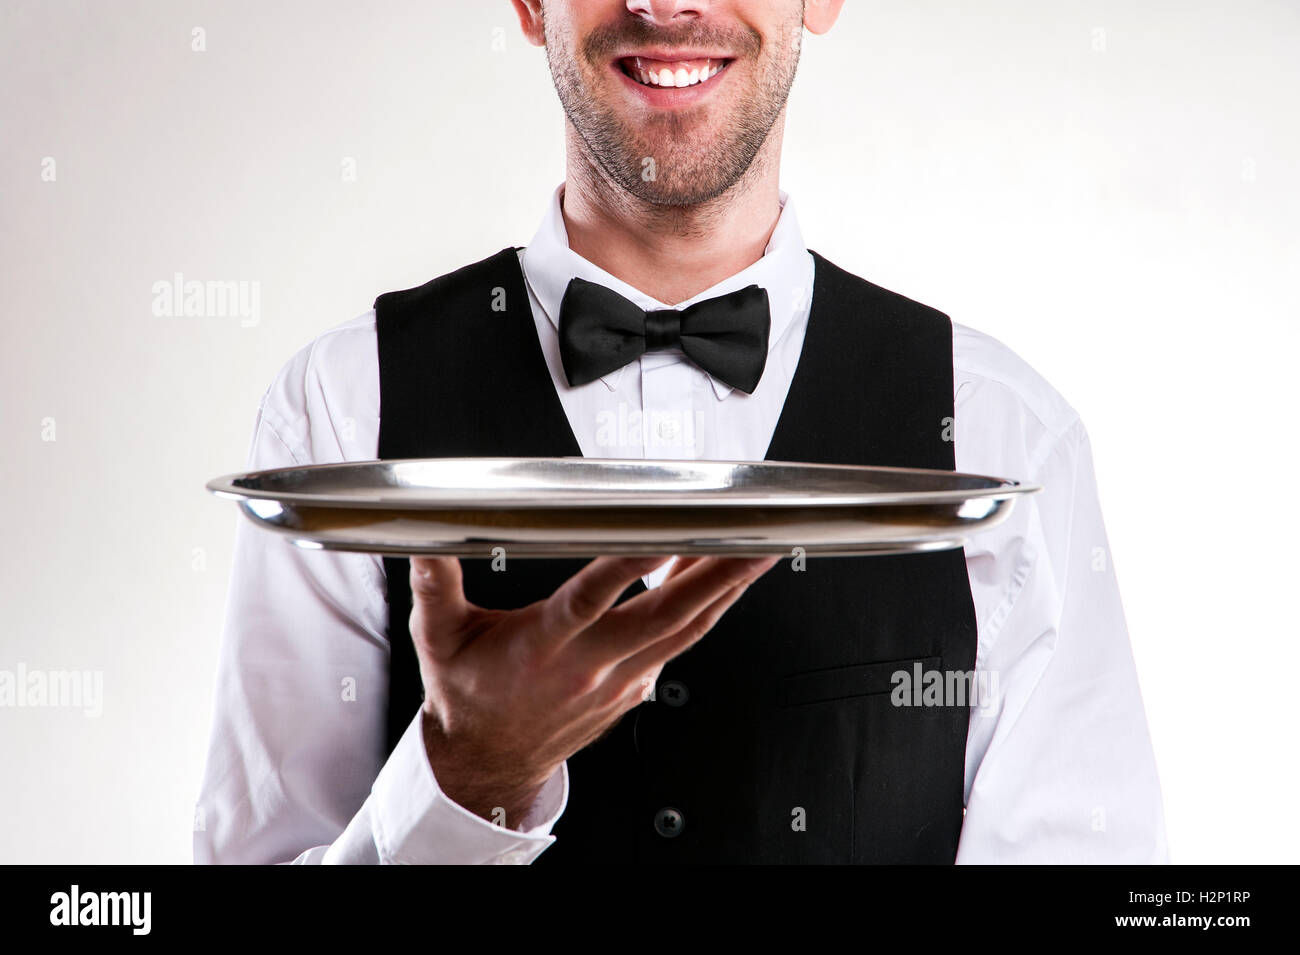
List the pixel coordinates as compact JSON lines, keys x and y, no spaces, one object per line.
{"x":414,"y":822}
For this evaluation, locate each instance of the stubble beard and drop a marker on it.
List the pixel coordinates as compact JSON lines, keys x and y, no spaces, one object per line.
{"x":670,"y":163}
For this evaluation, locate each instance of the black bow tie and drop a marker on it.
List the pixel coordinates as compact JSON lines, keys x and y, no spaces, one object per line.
{"x":600,"y":331}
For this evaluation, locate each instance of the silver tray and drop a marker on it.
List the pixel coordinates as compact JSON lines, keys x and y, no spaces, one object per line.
{"x":585,"y":507}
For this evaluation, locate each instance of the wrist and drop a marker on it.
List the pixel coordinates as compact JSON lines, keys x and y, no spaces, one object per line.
{"x":477,"y":781}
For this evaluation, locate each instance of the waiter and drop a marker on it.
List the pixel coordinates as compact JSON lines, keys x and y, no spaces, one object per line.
{"x":390,"y":711}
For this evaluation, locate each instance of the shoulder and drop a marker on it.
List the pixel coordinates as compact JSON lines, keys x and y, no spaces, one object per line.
{"x":332,"y":357}
{"x":323,"y":402}
{"x":849,"y":287}
{"x":1008,"y":416}
{"x":471,"y":287}
{"x":980,"y":359}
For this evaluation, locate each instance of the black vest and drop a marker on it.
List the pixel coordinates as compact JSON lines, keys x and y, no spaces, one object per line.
{"x":774,"y":738}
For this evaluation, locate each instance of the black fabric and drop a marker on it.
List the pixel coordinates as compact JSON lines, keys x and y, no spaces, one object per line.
{"x":773,"y":738}
{"x":726,"y":335}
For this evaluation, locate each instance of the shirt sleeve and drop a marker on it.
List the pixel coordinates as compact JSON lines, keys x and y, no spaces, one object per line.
{"x":296,"y":766}
{"x":1060,"y":766}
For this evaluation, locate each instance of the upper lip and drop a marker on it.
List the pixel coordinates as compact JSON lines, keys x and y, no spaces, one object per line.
{"x":671,"y":56}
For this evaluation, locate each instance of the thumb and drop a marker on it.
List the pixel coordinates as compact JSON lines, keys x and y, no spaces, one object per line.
{"x":438,"y":604}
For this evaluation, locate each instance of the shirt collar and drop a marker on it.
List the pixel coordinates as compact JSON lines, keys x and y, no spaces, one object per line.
{"x":549,"y":264}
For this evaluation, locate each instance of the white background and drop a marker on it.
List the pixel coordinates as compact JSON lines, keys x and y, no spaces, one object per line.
{"x":1108,"y":187}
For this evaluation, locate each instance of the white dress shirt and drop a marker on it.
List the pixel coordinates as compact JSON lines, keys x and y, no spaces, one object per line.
{"x":1059,"y":766}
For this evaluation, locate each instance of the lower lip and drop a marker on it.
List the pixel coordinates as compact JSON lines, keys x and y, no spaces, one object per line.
{"x":668,"y":97}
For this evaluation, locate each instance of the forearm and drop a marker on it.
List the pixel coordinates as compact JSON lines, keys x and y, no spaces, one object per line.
{"x":405,"y":819}
{"x":297,"y":769}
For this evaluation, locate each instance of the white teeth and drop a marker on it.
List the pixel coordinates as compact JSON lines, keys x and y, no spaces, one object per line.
{"x":682,"y":77}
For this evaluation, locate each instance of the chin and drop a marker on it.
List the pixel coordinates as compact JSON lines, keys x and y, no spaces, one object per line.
{"x":676,"y":193}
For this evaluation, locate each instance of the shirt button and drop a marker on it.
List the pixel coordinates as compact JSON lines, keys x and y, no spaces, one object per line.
{"x":668,"y":428}
{"x":516,"y":857}
{"x":674,"y":693}
{"x":669,"y":822}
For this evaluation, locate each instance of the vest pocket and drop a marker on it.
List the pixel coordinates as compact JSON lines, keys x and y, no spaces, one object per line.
{"x":849,"y":682}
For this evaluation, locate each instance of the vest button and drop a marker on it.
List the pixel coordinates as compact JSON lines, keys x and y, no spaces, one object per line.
{"x":669,"y":822}
{"x":674,"y":693}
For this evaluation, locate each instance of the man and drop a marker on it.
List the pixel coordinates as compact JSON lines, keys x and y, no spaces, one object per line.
{"x":433,"y":710}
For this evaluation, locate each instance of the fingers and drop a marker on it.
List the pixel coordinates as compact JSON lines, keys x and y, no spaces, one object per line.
{"x":438,"y":604}
{"x":585,"y":596}
{"x":680,"y":565}
{"x":651,"y":659}
{"x":647,"y":617}
{"x":436,"y":581}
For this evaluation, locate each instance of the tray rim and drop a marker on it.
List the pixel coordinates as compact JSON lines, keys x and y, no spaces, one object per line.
{"x":481,"y":550}
{"x":224,"y":487}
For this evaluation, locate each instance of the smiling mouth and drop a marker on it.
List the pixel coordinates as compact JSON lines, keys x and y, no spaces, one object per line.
{"x":674,"y":73}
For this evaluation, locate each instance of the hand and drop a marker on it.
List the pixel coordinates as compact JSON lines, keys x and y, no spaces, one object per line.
{"x":510,"y":694}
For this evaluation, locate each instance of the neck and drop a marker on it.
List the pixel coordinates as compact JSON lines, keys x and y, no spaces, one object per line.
{"x":670,"y":253}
